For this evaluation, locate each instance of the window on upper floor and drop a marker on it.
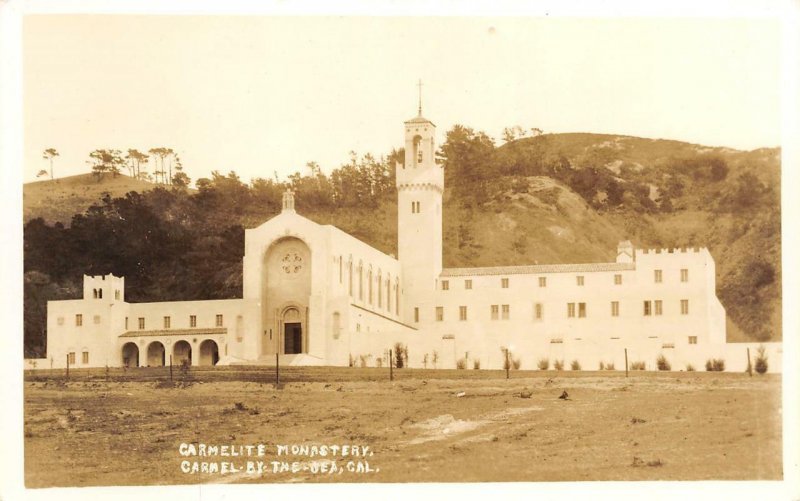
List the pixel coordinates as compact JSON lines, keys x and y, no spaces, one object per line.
{"x":78,"y":319}
{"x":570,"y":310}
{"x":416,"y":314}
{"x":614,"y":308}
{"x":126,"y":323}
{"x":692,"y":339}
{"x":538,"y":311}
{"x":542,"y":281}
{"x":116,"y":295}
{"x":96,"y":319}
{"x":462,"y":312}
{"x":648,"y":308}
{"x":580,"y":280}
{"x":659,"y":307}
{"x":658,"y":276}
{"x":468,"y":284}
{"x":617,"y":279}
{"x":85,"y":357}
{"x":60,"y":320}
{"x":99,"y":293}
{"x":141,"y":323}
{"x":219,"y":320}
{"x":506,"y":312}
{"x":582,"y":310}
{"x":684,"y":306}
{"x":504,"y":283}
{"x":684,"y":275}
{"x":167,"y":322}
{"x":192,"y":320}
{"x":445,"y":285}
{"x":439,"y":314}
{"x":495,"y":311}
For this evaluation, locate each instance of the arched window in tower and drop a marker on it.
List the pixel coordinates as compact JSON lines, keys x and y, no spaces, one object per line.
{"x":418,"y":149}
{"x":99,"y":293}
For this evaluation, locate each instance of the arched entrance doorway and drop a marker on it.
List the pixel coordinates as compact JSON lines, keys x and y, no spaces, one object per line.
{"x":181,"y":351}
{"x":130,"y":355}
{"x":209,"y":353}
{"x":286,"y":281}
{"x":155,"y":354}
{"x":292,"y":331}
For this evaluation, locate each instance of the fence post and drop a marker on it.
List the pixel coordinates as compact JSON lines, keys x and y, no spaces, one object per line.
{"x":391,"y":367}
{"x":277,"y":370}
{"x":170,"y":368}
{"x":67,"y":365}
{"x":749,"y":365}
{"x":626,"y":362}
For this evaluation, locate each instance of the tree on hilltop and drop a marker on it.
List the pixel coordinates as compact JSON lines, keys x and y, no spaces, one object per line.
{"x":49,"y":154}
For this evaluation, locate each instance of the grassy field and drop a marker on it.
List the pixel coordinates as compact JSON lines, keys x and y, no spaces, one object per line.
{"x":127,"y":427}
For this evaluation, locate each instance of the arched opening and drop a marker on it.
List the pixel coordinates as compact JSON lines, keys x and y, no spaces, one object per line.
{"x":181,"y":351}
{"x":130,"y":355}
{"x":155,"y":354}
{"x":292,"y":331}
{"x":209,"y":352}
{"x":417,"y":150}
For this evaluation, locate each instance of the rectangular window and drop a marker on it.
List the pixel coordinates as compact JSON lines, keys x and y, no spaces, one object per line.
{"x":617,"y":279}
{"x":506,"y":312}
{"x":668,"y":345}
{"x":96,"y":319}
{"x":413,"y":207}
{"x":580,"y":280}
{"x":504,"y":283}
{"x":468,"y":284}
{"x":192,"y":320}
{"x":219,"y":321}
{"x":692,"y":339}
{"x":614,"y":308}
{"x":462,"y":312}
{"x":126,"y":323}
{"x":542,"y":281}
{"x":495,"y":312}
{"x":141,"y":323}
{"x":439,"y":314}
{"x":684,"y":275}
{"x":537,"y":311}
{"x":658,"y":276}
{"x":658,"y":307}
{"x":647,"y":310}
{"x":684,"y":306}
{"x":116,"y":295}
{"x":167,"y":322}
{"x":582,"y":310}
{"x":416,"y":314}
{"x":85,"y":357}
{"x":571,"y":310}
{"x":78,"y":319}
{"x":71,"y":358}
{"x":60,"y":321}
{"x":445,"y":285}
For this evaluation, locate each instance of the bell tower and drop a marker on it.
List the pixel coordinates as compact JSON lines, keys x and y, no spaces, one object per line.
{"x":420,"y":182}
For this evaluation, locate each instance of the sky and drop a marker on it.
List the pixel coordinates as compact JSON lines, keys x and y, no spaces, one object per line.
{"x":265,"y":95}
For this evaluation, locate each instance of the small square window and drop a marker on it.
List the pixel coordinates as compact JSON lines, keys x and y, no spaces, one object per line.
{"x":658,"y":276}
{"x":580,"y":280}
{"x":692,"y":339}
{"x":504,"y":283}
{"x":468,"y":284}
{"x":618,"y":279}
{"x":445,"y":285}
{"x":542,"y":281}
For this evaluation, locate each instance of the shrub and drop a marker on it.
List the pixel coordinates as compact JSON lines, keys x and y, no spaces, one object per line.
{"x":516,"y":363}
{"x":610,"y":366}
{"x":425,"y":361}
{"x":663,"y":364}
{"x":379,"y":362}
{"x":461,"y":363}
{"x":435,"y":358}
{"x":352,"y":361}
{"x":689,"y":368}
{"x":575,"y":365}
{"x":558,"y":365}
{"x":363,"y":359}
{"x":715,"y":364}
{"x":601,"y":365}
{"x":399,"y":355}
{"x":637,"y":366}
{"x":476,"y":364}
{"x":544,"y":364}
{"x":761,"y":360}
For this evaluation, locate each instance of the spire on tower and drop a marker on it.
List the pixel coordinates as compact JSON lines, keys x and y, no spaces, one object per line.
{"x":419,"y":110}
{"x":288,"y":201}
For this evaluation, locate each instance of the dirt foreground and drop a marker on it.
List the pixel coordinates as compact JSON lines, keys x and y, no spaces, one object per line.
{"x":418,"y":428}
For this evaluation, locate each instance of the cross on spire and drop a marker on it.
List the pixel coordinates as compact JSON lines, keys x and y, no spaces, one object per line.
{"x":419,"y":84}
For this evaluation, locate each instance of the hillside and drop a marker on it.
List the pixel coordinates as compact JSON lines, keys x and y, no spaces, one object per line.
{"x":554,"y":198}
{"x":58,"y":200}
